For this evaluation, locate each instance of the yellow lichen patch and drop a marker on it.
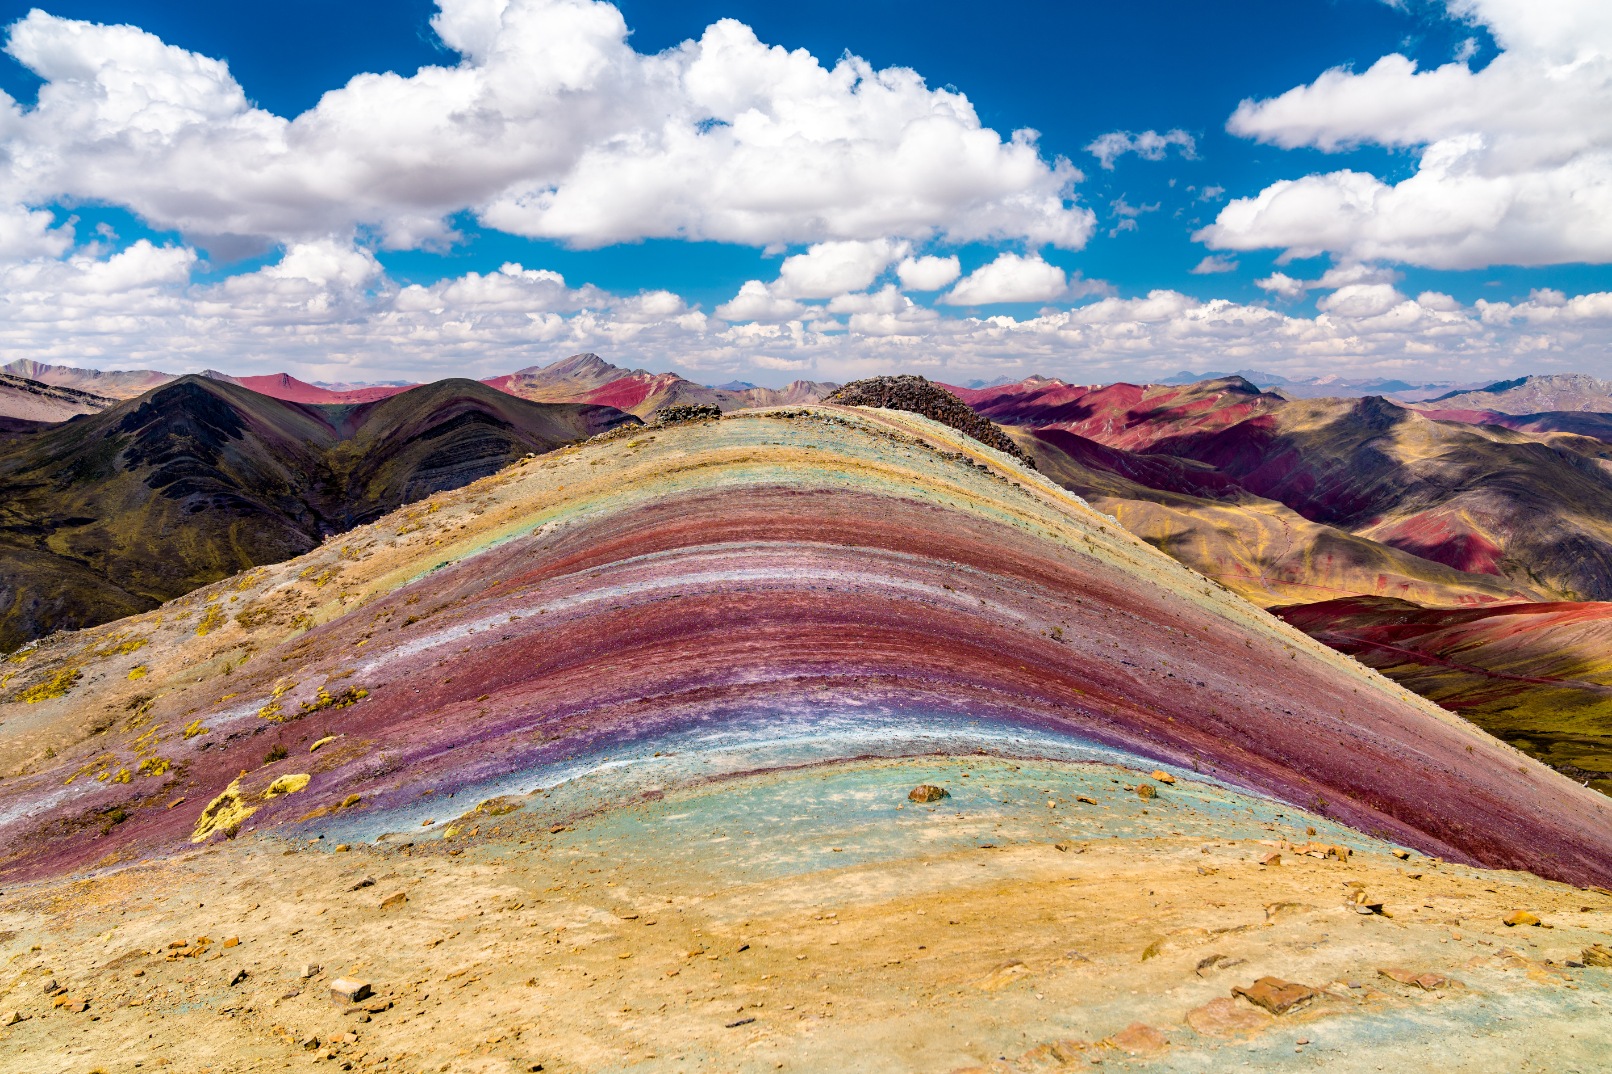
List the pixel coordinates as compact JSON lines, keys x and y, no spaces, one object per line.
{"x":194,"y":728}
{"x":146,"y":743}
{"x":271,"y":711}
{"x":55,"y":686}
{"x":324,"y":699}
{"x":250,"y":579}
{"x":323,"y":742}
{"x":103,"y":763}
{"x":254,"y":615}
{"x":154,"y":766}
{"x":318,"y":575}
{"x":123,"y":776}
{"x":211,"y":620}
{"x":123,"y":647}
{"x":226,"y":811}
{"x":139,"y":671}
{"x":287,"y":785}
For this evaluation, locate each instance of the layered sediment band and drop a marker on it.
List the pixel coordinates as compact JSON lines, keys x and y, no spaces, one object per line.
{"x":771,"y":590}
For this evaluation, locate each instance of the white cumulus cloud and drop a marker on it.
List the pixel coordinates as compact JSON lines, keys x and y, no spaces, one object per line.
{"x":1515,"y":159}
{"x":827,"y":269}
{"x":756,"y":302}
{"x":550,"y":126}
{"x":1010,"y":278}
{"x":330,"y":312}
{"x":928,"y":273}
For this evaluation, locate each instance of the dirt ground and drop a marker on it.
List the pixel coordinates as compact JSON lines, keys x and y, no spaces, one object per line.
{"x":1043,"y":916}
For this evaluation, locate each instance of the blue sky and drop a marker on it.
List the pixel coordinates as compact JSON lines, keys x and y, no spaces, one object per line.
{"x":1074,"y":72}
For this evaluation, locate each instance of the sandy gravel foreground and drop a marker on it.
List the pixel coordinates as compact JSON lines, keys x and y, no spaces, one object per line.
{"x":814,"y":920}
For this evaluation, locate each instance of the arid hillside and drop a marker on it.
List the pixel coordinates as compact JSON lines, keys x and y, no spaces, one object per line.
{"x":199,"y":479}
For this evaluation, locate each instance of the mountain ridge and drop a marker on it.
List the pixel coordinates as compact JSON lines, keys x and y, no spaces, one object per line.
{"x":199,"y":478}
{"x":1555,"y":392}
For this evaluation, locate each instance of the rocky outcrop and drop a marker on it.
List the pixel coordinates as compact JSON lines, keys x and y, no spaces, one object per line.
{"x":917,"y":395}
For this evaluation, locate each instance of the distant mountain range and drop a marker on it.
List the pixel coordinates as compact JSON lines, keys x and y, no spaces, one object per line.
{"x":1446,"y":493}
{"x":588,"y":378}
{"x":1329,"y":386}
{"x":1534,"y":395}
{"x":112,"y":384}
{"x":24,"y":402}
{"x":581,"y":378}
{"x":200,"y":478}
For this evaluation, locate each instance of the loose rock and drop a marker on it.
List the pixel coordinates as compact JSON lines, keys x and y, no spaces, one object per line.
{"x":349,"y":990}
{"x":1224,"y":1018}
{"x":1276,"y":995}
{"x":928,"y":792}
{"x":1427,"y":982}
{"x":1519,"y":917}
{"x":1162,"y":776}
{"x":1138,"y":1038}
{"x":680,"y":412}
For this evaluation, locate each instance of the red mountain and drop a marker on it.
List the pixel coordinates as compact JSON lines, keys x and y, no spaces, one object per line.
{"x":285,"y":387}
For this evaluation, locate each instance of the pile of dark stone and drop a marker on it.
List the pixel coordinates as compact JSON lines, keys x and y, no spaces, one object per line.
{"x":917,"y":395}
{"x":680,"y":412}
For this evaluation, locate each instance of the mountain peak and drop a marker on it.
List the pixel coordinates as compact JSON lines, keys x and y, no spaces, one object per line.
{"x":1542,"y":393}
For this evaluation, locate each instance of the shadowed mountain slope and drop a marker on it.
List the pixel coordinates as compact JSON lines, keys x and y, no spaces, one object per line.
{"x":199,"y":479}
{"x":767,"y":591}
